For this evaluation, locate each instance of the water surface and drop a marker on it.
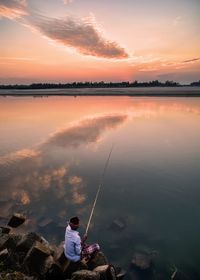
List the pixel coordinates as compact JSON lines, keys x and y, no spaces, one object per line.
{"x":52,"y":154}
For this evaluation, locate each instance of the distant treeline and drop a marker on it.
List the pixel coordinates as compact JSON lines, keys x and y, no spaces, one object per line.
{"x":101,"y":84}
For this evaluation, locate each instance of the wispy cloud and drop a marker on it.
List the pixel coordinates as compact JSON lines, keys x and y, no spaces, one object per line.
{"x":81,"y":34}
{"x":192,"y":60}
{"x":13,"y":9}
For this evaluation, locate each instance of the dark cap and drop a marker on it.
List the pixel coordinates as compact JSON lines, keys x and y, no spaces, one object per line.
{"x":74,"y":221}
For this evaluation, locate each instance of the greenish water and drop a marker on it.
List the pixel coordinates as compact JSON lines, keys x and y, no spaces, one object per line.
{"x":52,"y":154}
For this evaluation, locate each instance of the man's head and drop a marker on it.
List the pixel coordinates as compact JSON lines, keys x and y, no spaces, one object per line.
{"x":74,"y":223}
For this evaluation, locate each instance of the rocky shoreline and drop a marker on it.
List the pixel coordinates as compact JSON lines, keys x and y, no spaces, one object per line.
{"x":29,"y":257}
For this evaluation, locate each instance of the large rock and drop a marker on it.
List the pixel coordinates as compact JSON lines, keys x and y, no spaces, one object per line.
{"x":142,"y":261}
{"x":70,"y":267}
{"x":106,"y":272}
{"x":35,"y":258}
{"x":15,"y":276}
{"x":59,"y":255}
{"x":4,"y":229}
{"x":27,"y":241}
{"x":85,"y":275}
{"x":121,"y":274}
{"x":13,"y":240}
{"x":3,"y":241}
{"x":51,"y":269}
{"x":96,"y":260}
{"x":16,"y":220}
{"x":4,"y":255}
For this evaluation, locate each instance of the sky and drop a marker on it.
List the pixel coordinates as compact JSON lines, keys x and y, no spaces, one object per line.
{"x":95,"y":40}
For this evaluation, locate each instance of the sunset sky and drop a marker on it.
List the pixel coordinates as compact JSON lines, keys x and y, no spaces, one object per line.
{"x":94,"y":40}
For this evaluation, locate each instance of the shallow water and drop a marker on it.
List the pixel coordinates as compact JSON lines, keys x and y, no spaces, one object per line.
{"x":52,"y":154}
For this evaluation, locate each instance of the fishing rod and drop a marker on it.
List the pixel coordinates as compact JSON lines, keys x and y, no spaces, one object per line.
{"x":99,"y":188}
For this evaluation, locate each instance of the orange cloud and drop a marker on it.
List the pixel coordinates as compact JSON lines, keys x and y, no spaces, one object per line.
{"x":12,"y":9}
{"x":80,"y":34}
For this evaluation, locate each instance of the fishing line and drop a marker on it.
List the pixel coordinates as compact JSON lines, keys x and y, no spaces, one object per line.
{"x":99,"y":188}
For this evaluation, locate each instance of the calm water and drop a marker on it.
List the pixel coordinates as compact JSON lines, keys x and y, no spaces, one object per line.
{"x":52,"y":154}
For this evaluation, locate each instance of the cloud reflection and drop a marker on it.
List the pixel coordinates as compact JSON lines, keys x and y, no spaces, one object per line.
{"x":27,"y":175}
{"x":85,"y":132}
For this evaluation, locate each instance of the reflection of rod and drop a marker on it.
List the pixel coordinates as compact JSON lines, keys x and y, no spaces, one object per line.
{"x":100,"y":185}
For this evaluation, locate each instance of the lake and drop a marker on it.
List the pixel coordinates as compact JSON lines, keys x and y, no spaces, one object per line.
{"x":52,"y":154}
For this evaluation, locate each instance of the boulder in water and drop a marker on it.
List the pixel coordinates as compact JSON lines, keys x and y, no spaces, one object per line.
{"x":118,"y":225}
{"x":120,"y":273}
{"x":16,"y":220}
{"x":96,"y":260}
{"x":142,"y":261}
{"x":45,"y":222}
{"x":107,"y":272}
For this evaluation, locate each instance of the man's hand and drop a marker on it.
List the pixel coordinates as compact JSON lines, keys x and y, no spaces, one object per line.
{"x":84,"y":237}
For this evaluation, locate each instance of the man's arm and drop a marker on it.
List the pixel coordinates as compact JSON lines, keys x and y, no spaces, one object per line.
{"x":77,"y":247}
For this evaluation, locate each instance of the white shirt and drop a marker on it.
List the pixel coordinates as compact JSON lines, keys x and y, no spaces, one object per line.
{"x":72,"y":248}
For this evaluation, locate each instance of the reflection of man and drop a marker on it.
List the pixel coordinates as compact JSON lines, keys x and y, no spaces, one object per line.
{"x":74,"y":248}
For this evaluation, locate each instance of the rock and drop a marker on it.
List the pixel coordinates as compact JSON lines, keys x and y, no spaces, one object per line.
{"x":16,"y":220}
{"x":27,"y":241}
{"x":3,"y":241}
{"x":4,"y":229}
{"x":121,"y":274}
{"x":4,"y":255}
{"x":118,"y":225}
{"x":106,"y":272}
{"x":59,"y":255}
{"x":35,"y":258}
{"x":16,"y":276}
{"x":142,"y":261}
{"x":45,"y":222}
{"x":52,"y":269}
{"x":96,"y":260}
{"x":13,"y":241}
{"x":85,"y":275}
{"x":69,"y":267}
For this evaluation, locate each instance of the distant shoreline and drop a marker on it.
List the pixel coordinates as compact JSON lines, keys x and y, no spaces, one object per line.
{"x":183,"y":91}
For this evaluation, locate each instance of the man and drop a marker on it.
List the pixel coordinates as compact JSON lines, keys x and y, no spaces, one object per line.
{"x":73,"y":242}
{"x":74,"y":248}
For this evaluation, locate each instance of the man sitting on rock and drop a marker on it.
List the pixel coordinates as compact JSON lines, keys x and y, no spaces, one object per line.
{"x":74,"y":248}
